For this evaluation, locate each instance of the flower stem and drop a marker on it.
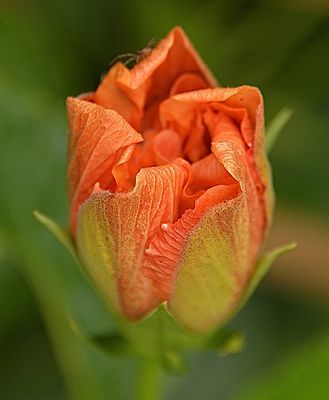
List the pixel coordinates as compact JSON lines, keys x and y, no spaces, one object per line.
{"x":149,"y":380}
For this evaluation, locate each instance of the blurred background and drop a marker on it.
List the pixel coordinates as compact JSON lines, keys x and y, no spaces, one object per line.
{"x":50,"y":49}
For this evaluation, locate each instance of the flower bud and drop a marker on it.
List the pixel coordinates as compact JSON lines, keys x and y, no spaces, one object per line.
{"x":169,"y":185}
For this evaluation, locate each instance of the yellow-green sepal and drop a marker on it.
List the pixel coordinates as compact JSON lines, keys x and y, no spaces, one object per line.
{"x":206,"y":287}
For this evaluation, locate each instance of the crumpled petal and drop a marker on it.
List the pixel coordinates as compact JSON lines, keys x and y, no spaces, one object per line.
{"x":114,"y":230}
{"x":244,"y":105}
{"x":98,"y":139}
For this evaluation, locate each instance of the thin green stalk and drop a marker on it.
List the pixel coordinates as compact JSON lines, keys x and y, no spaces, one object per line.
{"x":149,"y":385}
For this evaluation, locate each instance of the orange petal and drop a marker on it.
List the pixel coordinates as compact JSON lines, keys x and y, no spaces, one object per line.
{"x":209,"y":172}
{"x":156,"y":73}
{"x":188,"y":82}
{"x":198,"y":140}
{"x":244,"y":105}
{"x":114,"y":230}
{"x":111,"y":96}
{"x":174,"y":62}
{"x":202,"y":175}
{"x":167,"y":147}
{"x":236,"y":102}
{"x":98,"y":138}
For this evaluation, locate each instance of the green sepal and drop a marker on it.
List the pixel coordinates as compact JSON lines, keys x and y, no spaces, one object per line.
{"x":61,"y":234}
{"x":234,"y":343}
{"x":175,"y":363}
{"x":138,"y":338}
{"x":276,"y":126}
{"x":226,"y":342}
{"x":230,"y":342}
{"x":64,"y":237}
{"x":112,"y":343}
{"x":263,"y":265}
{"x":159,"y":335}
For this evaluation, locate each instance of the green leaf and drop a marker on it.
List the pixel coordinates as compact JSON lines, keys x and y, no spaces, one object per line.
{"x":276,"y":126}
{"x":60,"y":233}
{"x":263,"y":265}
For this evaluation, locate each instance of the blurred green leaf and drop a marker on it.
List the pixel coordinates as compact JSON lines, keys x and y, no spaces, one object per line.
{"x":276,"y":126}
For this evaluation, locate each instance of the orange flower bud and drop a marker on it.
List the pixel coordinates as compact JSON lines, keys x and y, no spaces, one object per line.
{"x":169,"y":186}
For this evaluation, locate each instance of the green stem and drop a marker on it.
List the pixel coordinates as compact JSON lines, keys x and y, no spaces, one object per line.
{"x":149,"y":380}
